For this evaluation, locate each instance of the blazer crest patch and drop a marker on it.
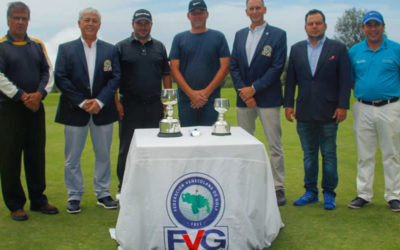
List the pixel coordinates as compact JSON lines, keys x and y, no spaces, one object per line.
{"x":267,"y":51}
{"x":107,"y":65}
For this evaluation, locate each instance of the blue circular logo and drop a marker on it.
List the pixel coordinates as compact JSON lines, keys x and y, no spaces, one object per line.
{"x":195,"y":201}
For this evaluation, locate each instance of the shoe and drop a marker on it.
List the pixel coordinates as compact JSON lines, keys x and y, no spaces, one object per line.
{"x":329,"y":203}
{"x":358,"y":202}
{"x":107,"y":202}
{"x":118,"y":196}
{"x":46,"y":209}
{"x":19,"y":215}
{"x":307,"y":198}
{"x":280,"y":197}
{"x":394,"y":205}
{"x":73,"y":207}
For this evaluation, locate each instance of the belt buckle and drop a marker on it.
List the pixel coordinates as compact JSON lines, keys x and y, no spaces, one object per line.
{"x":375,"y":103}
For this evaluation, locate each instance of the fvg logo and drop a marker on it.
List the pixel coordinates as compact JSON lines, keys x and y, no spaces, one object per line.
{"x":195,"y":204}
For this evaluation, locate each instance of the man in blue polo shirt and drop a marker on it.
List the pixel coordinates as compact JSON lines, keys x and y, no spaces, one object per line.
{"x":376,"y":73}
{"x":199,"y":63}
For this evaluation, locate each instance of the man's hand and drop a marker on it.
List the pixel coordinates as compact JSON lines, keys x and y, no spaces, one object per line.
{"x":290,"y":114}
{"x":251,"y":103}
{"x":32,"y":100}
{"x":198,"y":99}
{"x":246,"y":93}
{"x":91,"y":106}
{"x":87,"y":104}
{"x":340,"y":115}
{"x":120,"y":109}
{"x":24,"y":97}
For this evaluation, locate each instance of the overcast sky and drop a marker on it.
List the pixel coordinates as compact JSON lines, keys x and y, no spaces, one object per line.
{"x":55,"y":21}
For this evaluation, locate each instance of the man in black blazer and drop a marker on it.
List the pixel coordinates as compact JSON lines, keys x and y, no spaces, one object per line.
{"x":88,"y":73}
{"x":257,"y":61}
{"x":320,"y":67}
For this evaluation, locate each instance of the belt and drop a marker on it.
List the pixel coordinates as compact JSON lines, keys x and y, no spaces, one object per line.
{"x":140,"y":100}
{"x":379,"y":102}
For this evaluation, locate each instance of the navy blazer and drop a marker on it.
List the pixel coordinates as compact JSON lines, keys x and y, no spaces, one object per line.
{"x":319,"y":95}
{"x":72,"y":78}
{"x":265,"y":67}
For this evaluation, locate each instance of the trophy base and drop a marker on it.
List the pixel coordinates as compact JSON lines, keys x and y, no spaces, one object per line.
{"x":220,"y":134}
{"x":164,"y":135}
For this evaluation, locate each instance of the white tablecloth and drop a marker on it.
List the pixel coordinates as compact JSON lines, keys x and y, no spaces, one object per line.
{"x":207,"y":191}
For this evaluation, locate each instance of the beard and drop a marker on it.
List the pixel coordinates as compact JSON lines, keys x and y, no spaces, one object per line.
{"x":316,"y":38}
{"x":140,"y":37}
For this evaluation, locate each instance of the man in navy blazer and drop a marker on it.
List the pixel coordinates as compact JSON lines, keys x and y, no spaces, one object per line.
{"x":320,"y":67}
{"x":88,"y":73}
{"x":257,"y":61}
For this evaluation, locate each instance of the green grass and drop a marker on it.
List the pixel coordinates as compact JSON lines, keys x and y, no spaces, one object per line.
{"x":310,"y":227}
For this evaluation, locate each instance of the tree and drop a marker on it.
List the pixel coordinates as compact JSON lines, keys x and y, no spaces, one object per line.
{"x":348,"y":27}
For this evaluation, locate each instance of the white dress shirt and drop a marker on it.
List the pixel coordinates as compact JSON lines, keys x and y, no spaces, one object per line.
{"x":253,"y":38}
{"x":90,"y":54}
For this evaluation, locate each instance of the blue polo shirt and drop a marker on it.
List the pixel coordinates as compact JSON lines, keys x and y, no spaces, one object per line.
{"x":376,"y":73}
{"x":199,"y":58}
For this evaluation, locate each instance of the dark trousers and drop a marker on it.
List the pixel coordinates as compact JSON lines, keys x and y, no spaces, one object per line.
{"x":22,"y":131}
{"x":136,"y":115}
{"x":315,"y":136}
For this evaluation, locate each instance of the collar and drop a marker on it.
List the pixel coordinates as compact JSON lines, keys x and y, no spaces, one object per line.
{"x":93,"y":43}
{"x":320,"y":42}
{"x":382,"y":46}
{"x":259,"y":27}
{"x":26,"y":39}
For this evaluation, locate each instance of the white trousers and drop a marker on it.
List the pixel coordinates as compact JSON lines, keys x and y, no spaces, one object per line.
{"x":373,"y":124}
{"x":271,"y":121}
{"x":75,"y":138}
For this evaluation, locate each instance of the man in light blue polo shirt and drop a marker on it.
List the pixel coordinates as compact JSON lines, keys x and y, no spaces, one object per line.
{"x":376,"y":74}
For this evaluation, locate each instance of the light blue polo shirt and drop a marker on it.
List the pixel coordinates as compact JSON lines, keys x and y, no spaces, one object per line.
{"x":376,"y":73}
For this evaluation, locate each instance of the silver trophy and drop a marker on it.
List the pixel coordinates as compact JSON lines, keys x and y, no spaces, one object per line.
{"x":221,"y":127}
{"x":169,"y":126}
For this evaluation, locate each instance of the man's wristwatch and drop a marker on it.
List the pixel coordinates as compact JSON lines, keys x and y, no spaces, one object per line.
{"x":254,"y":89}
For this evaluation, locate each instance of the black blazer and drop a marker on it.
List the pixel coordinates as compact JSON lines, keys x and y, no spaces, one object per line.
{"x":72,"y":78}
{"x":265,"y":67}
{"x":319,"y":95}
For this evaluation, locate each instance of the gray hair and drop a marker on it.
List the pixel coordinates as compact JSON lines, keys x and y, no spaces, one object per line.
{"x":89,"y":11}
{"x":17,"y":6}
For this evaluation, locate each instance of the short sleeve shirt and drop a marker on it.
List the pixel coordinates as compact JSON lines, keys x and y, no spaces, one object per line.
{"x":199,"y":58}
{"x":142,"y":68}
{"x":376,"y":73}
